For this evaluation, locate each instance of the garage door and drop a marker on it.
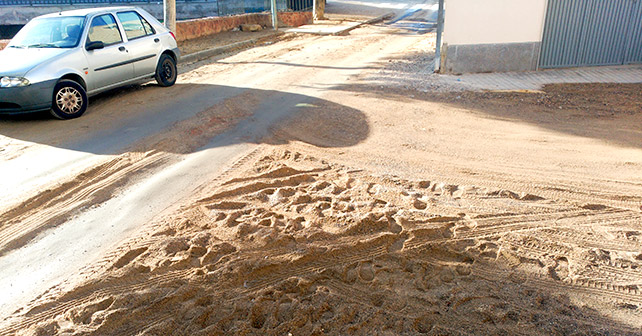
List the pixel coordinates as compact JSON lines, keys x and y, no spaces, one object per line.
{"x":592,"y":32}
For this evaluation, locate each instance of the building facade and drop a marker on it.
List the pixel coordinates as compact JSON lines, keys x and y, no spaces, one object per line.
{"x":524,"y":35}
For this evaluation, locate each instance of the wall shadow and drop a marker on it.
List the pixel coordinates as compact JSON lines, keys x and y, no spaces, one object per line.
{"x":357,"y":8}
{"x":607,"y":112}
{"x":299,"y":65}
{"x":191,"y":117}
{"x":603,"y":111}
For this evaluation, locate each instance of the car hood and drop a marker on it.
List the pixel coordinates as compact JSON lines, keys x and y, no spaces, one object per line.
{"x":18,"y":61}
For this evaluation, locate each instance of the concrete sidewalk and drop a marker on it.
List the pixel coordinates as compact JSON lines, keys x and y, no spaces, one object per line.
{"x":535,"y":80}
{"x":330,"y":27}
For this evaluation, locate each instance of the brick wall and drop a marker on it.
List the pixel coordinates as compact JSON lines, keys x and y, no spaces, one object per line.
{"x":190,"y":29}
{"x":294,"y":19}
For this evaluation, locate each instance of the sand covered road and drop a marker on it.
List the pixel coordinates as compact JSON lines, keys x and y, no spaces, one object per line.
{"x":75,"y":189}
{"x":291,"y":243}
{"x":349,"y":202}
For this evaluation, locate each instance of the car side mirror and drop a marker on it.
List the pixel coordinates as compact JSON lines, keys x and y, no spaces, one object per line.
{"x":94,"y":45}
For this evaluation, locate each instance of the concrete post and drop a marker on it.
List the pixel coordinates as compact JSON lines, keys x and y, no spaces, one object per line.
{"x":318,"y":10}
{"x":440,"y":31}
{"x":169,"y":14}
{"x":275,"y":19}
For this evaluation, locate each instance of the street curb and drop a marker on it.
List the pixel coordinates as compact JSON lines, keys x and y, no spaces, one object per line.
{"x":207,"y":53}
{"x":371,"y":21}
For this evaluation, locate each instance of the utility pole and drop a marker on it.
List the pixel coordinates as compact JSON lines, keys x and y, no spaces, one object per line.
{"x":275,"y":19}
{"x":169,"y":14}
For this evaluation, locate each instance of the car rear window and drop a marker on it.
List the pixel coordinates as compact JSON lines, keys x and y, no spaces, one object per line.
{"x":135,"y":25}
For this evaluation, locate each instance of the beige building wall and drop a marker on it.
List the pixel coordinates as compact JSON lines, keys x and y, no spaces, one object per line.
{"x":494,"y":21}
{"x":492,"y":35}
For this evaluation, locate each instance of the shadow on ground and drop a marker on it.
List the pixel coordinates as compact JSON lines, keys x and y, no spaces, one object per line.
{"x":191,"y":117}
{"x":604,"y":111}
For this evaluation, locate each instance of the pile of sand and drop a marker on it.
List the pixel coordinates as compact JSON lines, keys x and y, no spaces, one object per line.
{"x":295,"y":245}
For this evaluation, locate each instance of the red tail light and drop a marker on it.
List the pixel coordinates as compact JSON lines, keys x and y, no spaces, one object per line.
{"x":174,"y":36}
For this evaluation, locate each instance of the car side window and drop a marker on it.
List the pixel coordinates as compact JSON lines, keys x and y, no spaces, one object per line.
{"x":103,"y":28}
{"x":135,"y":25}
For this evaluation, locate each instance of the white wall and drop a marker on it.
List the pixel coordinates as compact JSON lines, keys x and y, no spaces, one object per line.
{"x":494,"y":21}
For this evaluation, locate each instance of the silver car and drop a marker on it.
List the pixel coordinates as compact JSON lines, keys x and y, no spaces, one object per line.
{"x":57,"y":60}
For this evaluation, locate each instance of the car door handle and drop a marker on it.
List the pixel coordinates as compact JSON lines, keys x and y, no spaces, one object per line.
{"x":122,"y":49}
{"x":156,"y":40}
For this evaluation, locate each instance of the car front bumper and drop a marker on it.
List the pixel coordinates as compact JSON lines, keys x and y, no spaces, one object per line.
{"x":25,"y":99}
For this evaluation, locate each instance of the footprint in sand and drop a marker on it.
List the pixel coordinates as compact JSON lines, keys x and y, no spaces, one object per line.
{"x":366,"y":273}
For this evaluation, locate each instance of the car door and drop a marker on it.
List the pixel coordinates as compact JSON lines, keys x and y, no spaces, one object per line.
{"x":143,"y":44}
{"x":111,"y":64}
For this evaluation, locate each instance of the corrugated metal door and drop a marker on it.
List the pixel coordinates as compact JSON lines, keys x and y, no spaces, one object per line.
{"x":634,"y":44}
{"x":591,"y":32}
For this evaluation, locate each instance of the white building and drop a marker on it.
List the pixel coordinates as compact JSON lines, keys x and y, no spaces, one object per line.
{"x":521,"y":35}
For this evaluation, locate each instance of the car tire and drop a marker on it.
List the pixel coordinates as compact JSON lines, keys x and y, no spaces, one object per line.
{"x":69,"y":100}
{"x":166,"y":71}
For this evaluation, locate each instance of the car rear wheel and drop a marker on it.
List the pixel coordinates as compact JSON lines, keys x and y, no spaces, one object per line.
{"x":166,"y":71}
{"x":69,"y":100}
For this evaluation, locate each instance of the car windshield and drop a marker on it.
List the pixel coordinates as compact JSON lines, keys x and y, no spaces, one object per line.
{"x":50,"y":32}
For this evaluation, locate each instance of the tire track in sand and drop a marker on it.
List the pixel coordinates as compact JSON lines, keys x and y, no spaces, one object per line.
{"x":489,"y":227}
{"x":98,"y":184}
{"x":55,"y":206}
{"x":369,"y":249}
{"x":594,"y":288}
{"x":147,"y":236}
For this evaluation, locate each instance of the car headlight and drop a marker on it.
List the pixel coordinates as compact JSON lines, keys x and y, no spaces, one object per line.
{"x":13,"y":81}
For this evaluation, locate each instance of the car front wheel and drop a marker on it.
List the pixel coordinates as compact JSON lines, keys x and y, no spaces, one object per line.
{"x":166,"y":71}
{"x":69,"y":100}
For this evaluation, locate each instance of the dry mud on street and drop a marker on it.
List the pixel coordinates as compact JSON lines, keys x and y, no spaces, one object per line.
{"x":354,"y":200}
{"x":294,"y":244}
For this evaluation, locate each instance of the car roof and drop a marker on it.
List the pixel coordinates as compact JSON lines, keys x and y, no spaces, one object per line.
{"x":88,"y":11}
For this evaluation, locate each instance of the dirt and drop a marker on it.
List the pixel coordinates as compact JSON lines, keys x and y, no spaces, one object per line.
{"x":226,"y":38}
{"x":294,"y":244}
{"x":374,"y":209}
{"x":595,"y":101}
